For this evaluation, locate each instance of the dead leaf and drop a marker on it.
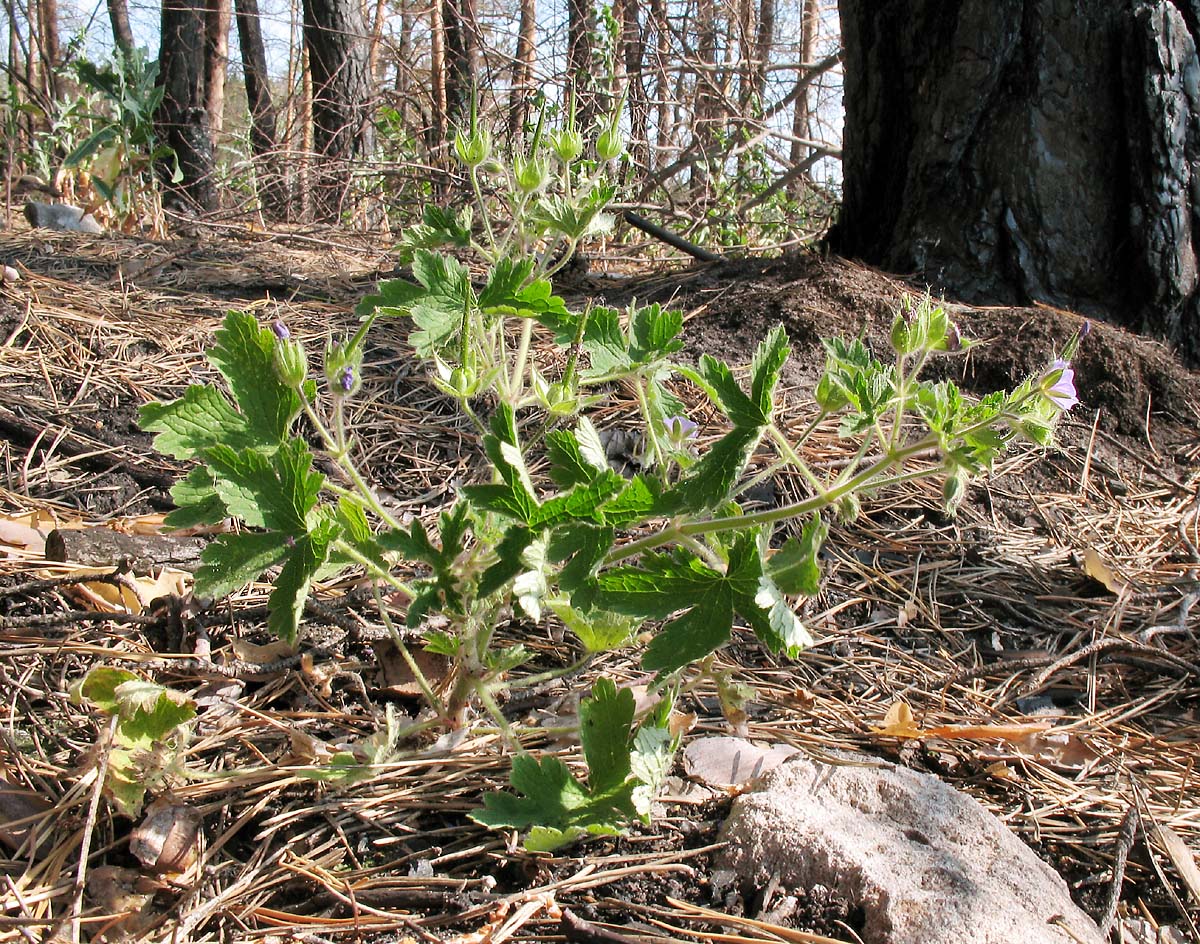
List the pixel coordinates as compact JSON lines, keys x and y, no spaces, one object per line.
{"x":396,"y":675}
{"x":906,"y":614}
{"x":899,"y":722}
{"x":20,"y":533}
{"x":133,"y":596}
{"x":20,"y":809}
{"x":980,"y":732}
{"x":257,"y":655}
{"x":1182,"y":858}
{"x":167,"y":841}
{"x":1057,"y":749}
{"x":730,"y":762}
{"x":1100,"y":571}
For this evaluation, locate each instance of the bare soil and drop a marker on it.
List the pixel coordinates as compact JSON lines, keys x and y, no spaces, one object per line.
{"x":994,"y":616}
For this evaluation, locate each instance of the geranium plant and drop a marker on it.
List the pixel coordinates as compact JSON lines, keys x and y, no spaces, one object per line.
{"x":669,"y":545}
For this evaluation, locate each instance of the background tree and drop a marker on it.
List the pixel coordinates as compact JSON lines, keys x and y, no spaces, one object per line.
{"x":262,"y":117}
{"x":342,"y":98}
{"x":182,"y":117}
{"x":1029,"y":150}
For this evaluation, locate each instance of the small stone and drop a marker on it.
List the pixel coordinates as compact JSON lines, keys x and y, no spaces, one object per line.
{"x":11,"y":275}
{"x":924,"y":861}
{"x":62,"y":217}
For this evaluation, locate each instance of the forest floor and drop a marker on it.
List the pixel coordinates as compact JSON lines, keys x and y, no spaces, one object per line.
{"x":1063,"y":591}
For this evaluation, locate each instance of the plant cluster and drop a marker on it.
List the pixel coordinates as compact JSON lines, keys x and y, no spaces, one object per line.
{"x":552,"y":531}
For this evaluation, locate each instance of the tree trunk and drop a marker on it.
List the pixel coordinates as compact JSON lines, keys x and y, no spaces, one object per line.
{"x":437,"y":80}
{"x":182,"y":119}
{"x":460,"y":32}
{"x":633,"y":47}
{"x":118,"y":16}
{"x":216,"y":61}
{"x":801,"y":124}
{"x":522,"y":80}
{"x":48,"y":39}
{"x":1020,"y":150}
{"x":263,"y":142}
{"x":342,"y":99}
{"x":579,"y":60}
{"x":664,"y":132}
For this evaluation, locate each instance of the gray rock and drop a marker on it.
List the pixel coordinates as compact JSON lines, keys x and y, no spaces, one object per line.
{"x":61,"y":216}
{"x":927,"y":863}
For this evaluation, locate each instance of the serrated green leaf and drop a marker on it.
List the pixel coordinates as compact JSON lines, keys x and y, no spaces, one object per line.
{"x":286,"y":603}
{"x":729,"y":396}
{"x":783,"y":630}
{"x":197,"y":500}
{"x":150,"y":712}
{"x":99,"y":687}
{"x":268,"y":491}
{"x":711,"y":480}
{"x":551,"y":795}
{"x":584,"y":546}
{"x":796,"y":566}
{"x":575,"y":456}
{"x":769,"y":359}
{"x":201,"y":418}
{"x":234,"y":560}
{"x":650,"y":762}
{"x":598,"y":630}
{"x":244,"y":354}
{"x":508,"y":564}
{"x":634,"y":503}
{"x":661,"y":584}
{"x":531,"y":585}
{"x":700,"y":631}
{"x":605,"y":721}
{"x":394,"y":297}
{"x":583,"y":502}
{"x":438,"y":313}
{"x":654,"y":333}
{"x":605,"y":343}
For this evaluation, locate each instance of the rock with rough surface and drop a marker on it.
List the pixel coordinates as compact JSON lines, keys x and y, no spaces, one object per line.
{"x":926,"y":863}
{"x":61,"y":216}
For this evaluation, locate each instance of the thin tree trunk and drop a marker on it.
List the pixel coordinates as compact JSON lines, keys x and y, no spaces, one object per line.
{"x":809,"y":26}
{"x":522,"y":79}
{"x":342,"y":98}
{"x":664,"y":130}
{"x":437,"y":80}
{"x":375,"y":39}
{"x":118,"y":16}
{"x":182,"y":117}
{"x":263,"y":143}
{"x":633,"y":50}
{"x":48,"y":40}
{"x":460,"y":31}
{"x":579,"y":60}
{"x":216,"y":62}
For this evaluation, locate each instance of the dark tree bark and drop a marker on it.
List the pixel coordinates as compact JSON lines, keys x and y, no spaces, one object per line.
{"x":580,"y":25}
{"x":216,"y":61}
{"x":460,"y":49}
{"x":118,"y":16}
{"x":182,"y":117}
{"x":336,"y":40}
{"x":522,"y":80}
{"x":1019,"y":150}
{"x":263,"y":141}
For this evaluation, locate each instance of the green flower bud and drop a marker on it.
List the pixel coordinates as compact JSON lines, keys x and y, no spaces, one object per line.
{"x":567,"y":143}
{"x":905,"y":334}
{"x":473,"y":149}
{"x":611,"y":143}
{"x":532,"y":173}
{"x":953,"y":491}
{"x":462,"y":380}
{"x":829,"y":395}
{"x":848,"y":508}
{"x":290,"y":363}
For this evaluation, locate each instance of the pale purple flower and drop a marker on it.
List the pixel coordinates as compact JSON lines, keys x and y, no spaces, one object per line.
{"x":680,"y":429}
{"x":280,"y":329}
{"x":1061,"y":392}
{"x":346,"y":378}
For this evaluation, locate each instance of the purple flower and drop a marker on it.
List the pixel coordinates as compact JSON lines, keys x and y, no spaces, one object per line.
{"x":280,"y":329}
{"x":1059,"y":385}
{"x":1085,"y":329}
{"x":346,"y":378}
{"x":680,"y":429}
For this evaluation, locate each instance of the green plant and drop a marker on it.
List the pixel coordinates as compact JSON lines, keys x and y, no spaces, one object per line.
{"x":605,"y":553}
{"x":149,"y":732}
{"x":123,"y":150}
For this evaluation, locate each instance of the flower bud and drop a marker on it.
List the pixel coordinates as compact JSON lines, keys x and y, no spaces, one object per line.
{"x":567,"y":143}
{"x":473,"y":149}
{"x":828,"y":395}
{"x":290,"y":362}
{"x":904,"y":334}
{"x":462,"y":381}
{"x":848,"y":508}
{"x":532,"y":173}
{"x":610,"y":144}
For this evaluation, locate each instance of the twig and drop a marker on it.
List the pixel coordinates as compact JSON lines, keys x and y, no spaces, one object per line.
{"x":1130,"y":824}
{"x":89,"y":827}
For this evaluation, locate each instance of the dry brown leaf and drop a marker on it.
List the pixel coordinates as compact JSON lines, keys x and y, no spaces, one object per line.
{"x":167,"y":841}
{"x":262,"y":655}
{"x":20,"y":533}
{"x":899,"y":722}
{"x":19,"y":809}
{"x":1182,"y":858}
{"x":728,"y":763}
{"x":1100,"y":571}
{"x":395,"y":674}
{"x":131,"y":597}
